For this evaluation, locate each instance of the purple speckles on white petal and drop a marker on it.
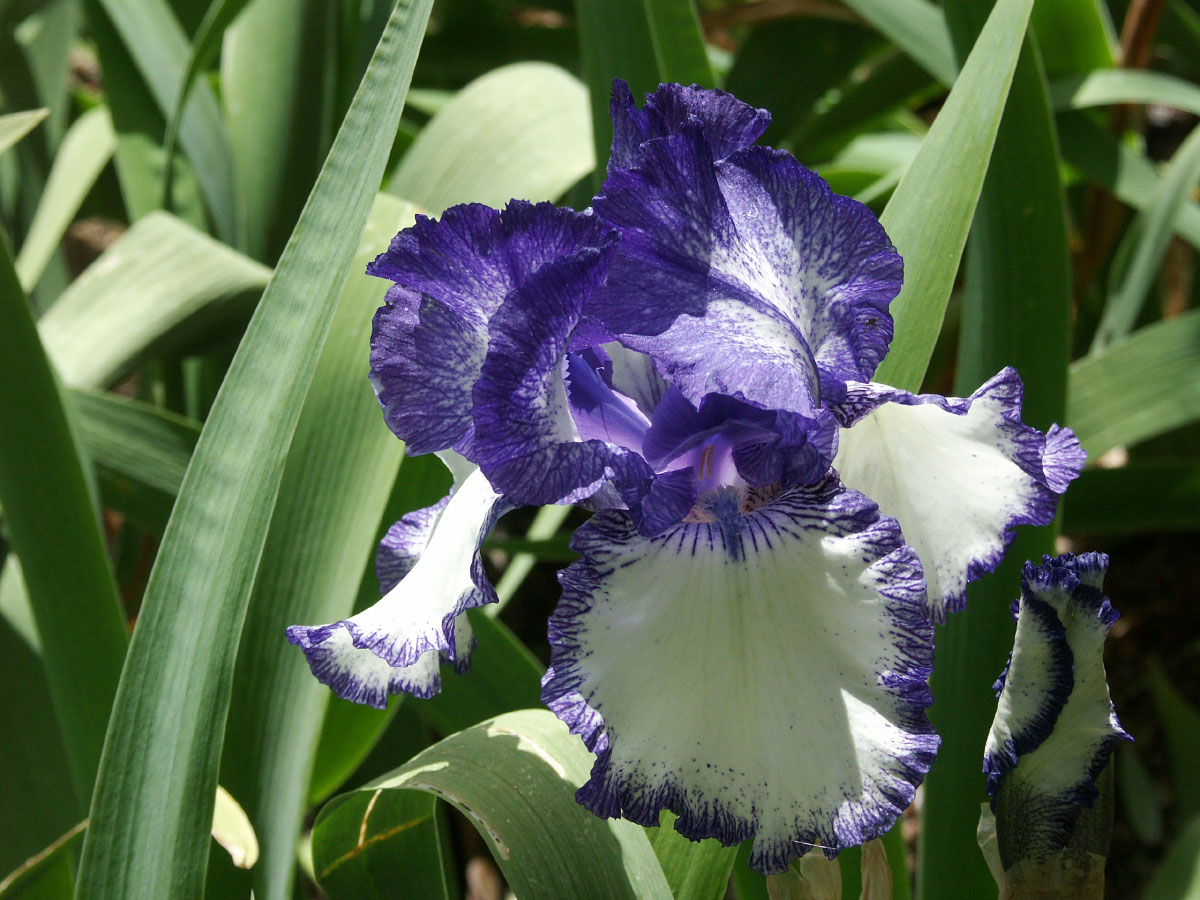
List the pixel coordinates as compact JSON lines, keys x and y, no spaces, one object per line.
{"x":742,"y":735}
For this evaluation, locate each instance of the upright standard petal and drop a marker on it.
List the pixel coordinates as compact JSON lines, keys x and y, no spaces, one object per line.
{"x":728,"y":123}
{"x":746,"y":277}
{"x":395,"y":646}
{"x":765,"y":681}
{"x":1055,"y":726}
{"x":959,"y":474}
{"x":451,"y":276}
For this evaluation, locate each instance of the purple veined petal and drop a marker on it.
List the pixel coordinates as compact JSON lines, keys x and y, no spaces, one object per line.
{"x":526,"y":439}
{"x":1055,"y":726}
{"x":430,"y":338}
{"x":675,"y":659}
{"x":959,"y":474}
{"x":728,"y":123}
{"x":395,"y":646}
{"x":746,"y":277}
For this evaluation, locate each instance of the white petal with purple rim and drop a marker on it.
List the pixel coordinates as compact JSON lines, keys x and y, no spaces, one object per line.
{"x":959,"y":474}
{"x":1059,"y":765}
{"x":394,"y":646}
{"x":773,"y":690}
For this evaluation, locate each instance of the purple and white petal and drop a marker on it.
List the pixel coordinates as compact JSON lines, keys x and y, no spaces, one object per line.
{"x":394,"y":646}
{"x":1057,"y":677}
{"x":959,"y":474}
{"x":728,"y":123}
{"x":762,"y":677}
{"x":451,"y":276}
{"x":527,"y":440}
{"x":746,"y":277}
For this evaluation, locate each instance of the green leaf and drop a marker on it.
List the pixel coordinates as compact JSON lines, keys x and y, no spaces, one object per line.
{"x":678,"y":42}
{"x":1104,"y":87}
{"x":918,"y":28}
{"x":204,"y":46}
{"x":614,"y":42}
{"x":15,"y":126}
{"x":159,"y":285}
{"x":47,"y":875}
{"x":159,"y":48}
{"x":1132,"y":178}
{"x":398,"y":854}
{"x":1180,"y":722}
{"x":278,"y":104}
{"x":85,"y":150}
{"x":54,"y":530}
{"x":519,"y":131}
{"x":930,"y":212}
{"x":1141,"y":386}
{"x":177,"y":681}
{"x":140,"y":452}
{"x":1075,"y":36}
{"x":334,"y":488}
{"x":1140,"y":497}
{"x":1016,"y":312}
{"x":32,"y":760}
{"x":1145,"y":243}
{"x":514,"y":778}
{"x":695,"y":870}
{"x":1178,"y":878}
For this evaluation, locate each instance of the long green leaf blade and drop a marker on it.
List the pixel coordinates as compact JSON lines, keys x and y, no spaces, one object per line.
{"x":1149,"y":234}
{"x":930,"y":212}
{"x":331,"y":497}
{"x":55,"y":531}
{"x":159,"y":48}
{"x":1140,"y":497}
{"x":85,"y":150}
{"x":1016,"y":312}
{"x":159,"y":284}
{"x":514,"y":777}
{"x":15,"y":126}
{"x":153,"y":804}
{"x":1103,"y":87}
{"x":678,"y":42}
{"x":918,"y":28}
{"x":1139,"y":387}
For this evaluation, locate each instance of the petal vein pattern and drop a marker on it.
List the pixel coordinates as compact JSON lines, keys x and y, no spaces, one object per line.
{"x":396,"y":645}
{"x":774,"y":691}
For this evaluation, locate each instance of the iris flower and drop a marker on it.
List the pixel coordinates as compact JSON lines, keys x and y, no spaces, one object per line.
{"x":747,"y":636}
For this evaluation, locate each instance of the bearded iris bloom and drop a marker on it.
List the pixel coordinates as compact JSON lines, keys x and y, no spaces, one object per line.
{"x":747,"y":636}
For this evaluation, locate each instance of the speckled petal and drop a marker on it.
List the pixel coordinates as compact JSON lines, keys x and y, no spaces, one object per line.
{"x":728,"y":123}
{"x":959,"y":474}
{"x":746,"y":277}
{"x":676,"y":659}
{"x":451,"y":277}
{"x":394,"y":646}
